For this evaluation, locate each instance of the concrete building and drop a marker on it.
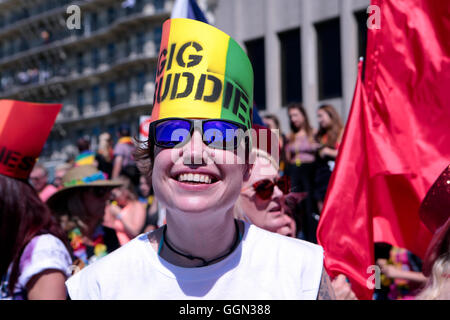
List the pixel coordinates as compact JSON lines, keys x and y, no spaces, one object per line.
{"x":301,"y":50}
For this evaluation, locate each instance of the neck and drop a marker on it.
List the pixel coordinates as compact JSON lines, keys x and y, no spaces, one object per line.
{"x":194,"y":236}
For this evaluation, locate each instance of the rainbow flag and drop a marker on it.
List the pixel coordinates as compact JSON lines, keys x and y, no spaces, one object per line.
{"x":84,"y":158}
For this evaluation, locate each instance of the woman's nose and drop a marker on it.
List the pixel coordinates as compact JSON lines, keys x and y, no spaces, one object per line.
{"x":193,"y":150}
{"x":277,"y":193}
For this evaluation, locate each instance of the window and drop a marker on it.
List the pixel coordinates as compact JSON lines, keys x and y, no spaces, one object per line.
{"x":95,"y":97}
{"x":291,"y":72}
{"x":140,"y":82}
{"x":80,"y":63}
{"x":111,"y":15}
{"x":127,"y":47}
{"x":94,"y":21}
{"x":112,"y":93}
{"x":361,"y":19}
{"x":159,"y":5}
{"x":95,"y":58}
{"x":256,"y":54}
{"x":157,"y":37}
{"x":111,"y":52}
{"x":329,"y":59}
{"x":140,"y":42}
{"x":80,"y":102}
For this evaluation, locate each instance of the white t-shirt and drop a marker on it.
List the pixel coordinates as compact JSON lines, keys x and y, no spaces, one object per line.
{"x":265,"y":265}
{"x":43,"y":252}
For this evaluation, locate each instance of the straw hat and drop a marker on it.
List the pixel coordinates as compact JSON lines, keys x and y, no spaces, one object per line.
{"x":82,"y":177}
{"x":435,"y":214}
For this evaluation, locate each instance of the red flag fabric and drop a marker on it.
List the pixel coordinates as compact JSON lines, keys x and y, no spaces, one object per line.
{"x":395,"y":144}
{"x":345,"y":226}
{"x":407,"y":82}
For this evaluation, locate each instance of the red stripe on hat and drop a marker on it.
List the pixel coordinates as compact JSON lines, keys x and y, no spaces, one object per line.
{"x":162,"y":59}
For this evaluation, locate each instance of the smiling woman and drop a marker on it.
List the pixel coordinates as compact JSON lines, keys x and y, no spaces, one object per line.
{"x":197,"y":175}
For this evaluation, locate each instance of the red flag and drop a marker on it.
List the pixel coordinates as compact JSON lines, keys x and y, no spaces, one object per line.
{"x":345,"y":226}
{"x":406,"y":140}
{"x":407,"y":82}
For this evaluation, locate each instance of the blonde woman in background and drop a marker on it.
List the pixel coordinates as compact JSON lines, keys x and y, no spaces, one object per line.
{"x":105,"y":154}
{"x":262,"y":201}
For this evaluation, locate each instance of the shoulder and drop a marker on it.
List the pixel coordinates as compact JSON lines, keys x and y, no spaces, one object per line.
{"x":301,"y":261}
{"x":109,"y":271}
{"x":275,"y":241}
{"x":44,"y":252}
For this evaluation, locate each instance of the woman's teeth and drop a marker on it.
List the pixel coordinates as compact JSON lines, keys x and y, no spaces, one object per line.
{"x":197,"y":178}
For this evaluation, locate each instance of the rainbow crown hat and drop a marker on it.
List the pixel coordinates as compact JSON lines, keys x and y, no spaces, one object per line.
{"x":202,"y":73}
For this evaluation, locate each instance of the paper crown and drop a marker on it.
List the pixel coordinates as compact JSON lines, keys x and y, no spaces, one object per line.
{"x":202,"y":73}
{"x":24,"y":128}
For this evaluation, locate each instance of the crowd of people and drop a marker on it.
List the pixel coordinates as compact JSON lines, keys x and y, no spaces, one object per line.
{"x":175,"y":219}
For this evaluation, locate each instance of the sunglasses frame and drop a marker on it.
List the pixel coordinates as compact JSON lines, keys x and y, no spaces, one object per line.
{"x":194,"y":124}
{"x":273,"y":183}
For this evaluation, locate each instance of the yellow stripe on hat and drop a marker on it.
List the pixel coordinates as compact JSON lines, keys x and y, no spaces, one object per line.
{"x":196,"y":57}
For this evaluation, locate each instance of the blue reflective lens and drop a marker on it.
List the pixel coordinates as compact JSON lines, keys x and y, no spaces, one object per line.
{"x":172,"y":132}
{"x":220,"y":134}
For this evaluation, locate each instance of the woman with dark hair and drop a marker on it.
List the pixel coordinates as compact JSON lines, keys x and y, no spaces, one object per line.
{"x":300,"y":156}
{"x":329,"y":136}
{"x":34,"y":256}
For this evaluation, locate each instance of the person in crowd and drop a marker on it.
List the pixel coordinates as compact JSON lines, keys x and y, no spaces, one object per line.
{"x":198,"y":157}
{"x":146,"y":196}
{"x":80,"y":208}
{"x":39,"y":180}
{"x":124,"y":162}
{"x":271,"y":121}
{"x":105,"y":154}
{"x":60,"y":171}
{"x":434,"y":212}
{"x":35,"y":257}
{"x":125,"y":214}
{"x":401,"y":274}
{"x":329,"y":137}
{"x":300,"y":157}
{"x":263,"y":199}
{"x":86,"y":156}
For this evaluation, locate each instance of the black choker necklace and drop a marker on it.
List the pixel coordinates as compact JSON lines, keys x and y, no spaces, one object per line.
{"x":205,"y":262}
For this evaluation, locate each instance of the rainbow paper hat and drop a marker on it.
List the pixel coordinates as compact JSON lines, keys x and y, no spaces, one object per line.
{"x":24,"y":128}
{"x":202,"y":73}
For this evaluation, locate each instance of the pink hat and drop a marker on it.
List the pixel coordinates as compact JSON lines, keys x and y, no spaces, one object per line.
{"x":435,"y":214}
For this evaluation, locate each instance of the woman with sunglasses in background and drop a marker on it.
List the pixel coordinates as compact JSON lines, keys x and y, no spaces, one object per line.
{"x":80,"y":208}
{"x":264,"y":197}
{"x":198,"y":156}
